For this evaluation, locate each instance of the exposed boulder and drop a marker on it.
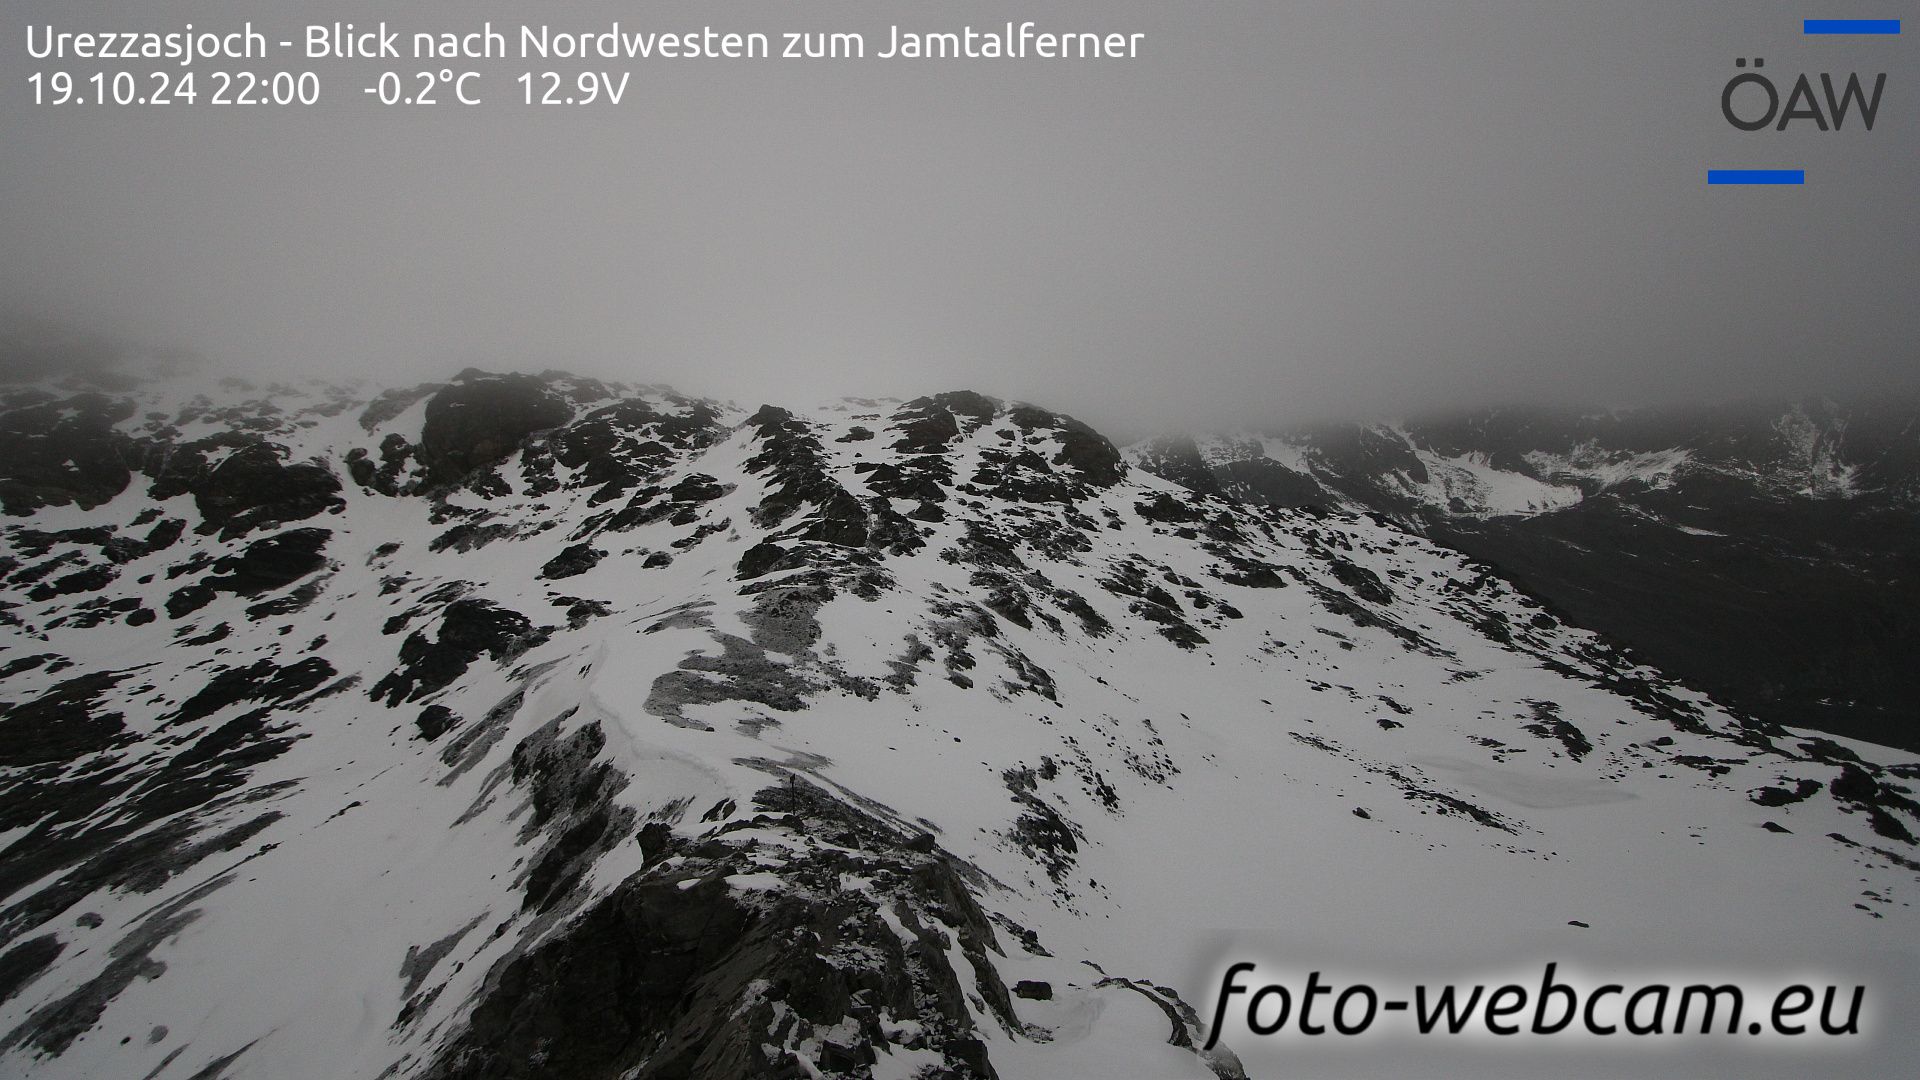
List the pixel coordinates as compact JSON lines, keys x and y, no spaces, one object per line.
{"x":574,"y":560}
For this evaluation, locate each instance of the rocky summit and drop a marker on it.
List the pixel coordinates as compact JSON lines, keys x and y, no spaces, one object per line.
{"x":534,"y":726}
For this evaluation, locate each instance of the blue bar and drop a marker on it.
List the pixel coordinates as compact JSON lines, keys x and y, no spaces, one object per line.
{"x":1756,"y":176}
{"x":1850,"y":26}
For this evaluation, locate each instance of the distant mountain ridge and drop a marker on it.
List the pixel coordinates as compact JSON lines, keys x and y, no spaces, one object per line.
{"x":1769,"y":553}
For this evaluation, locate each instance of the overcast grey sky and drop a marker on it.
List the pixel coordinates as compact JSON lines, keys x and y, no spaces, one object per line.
{"x":1282,"y":210}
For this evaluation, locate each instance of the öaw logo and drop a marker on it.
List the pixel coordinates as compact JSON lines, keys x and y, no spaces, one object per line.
{"x":1801,"y":102}
{"x":1754,"y":100}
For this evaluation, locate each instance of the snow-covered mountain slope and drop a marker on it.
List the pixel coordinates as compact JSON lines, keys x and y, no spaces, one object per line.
{"x":1768,"y":554}
{"x":529,"y":726}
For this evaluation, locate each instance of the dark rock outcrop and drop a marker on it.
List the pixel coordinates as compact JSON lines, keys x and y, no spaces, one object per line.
{"x":479,"y":420}
{"x":468,"y":629}
{"x":62,"y":451}
{"x":266,"y":564}
{"x":677,"y":973}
